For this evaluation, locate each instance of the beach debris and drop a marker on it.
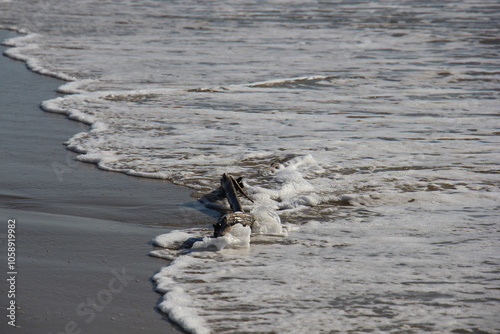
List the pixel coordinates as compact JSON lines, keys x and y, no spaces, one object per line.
{"x":230,"y":187}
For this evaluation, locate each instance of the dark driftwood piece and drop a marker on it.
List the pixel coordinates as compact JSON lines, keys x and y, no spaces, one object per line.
{"x":227,"y":183}
{"x":238,"y":185}
{"x":231,"y":186}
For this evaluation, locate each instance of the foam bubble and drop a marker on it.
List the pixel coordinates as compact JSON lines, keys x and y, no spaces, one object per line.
{"x":168,"y":240}
{"x":75,"y":87}
{"x":267,"y":221}
{"x":237,"y":237}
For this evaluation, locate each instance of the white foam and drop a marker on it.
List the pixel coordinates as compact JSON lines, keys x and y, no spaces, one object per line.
{"x":101,"y":159}
{"x":291,"y":190}
{"x":60,"y":105}
{"x":168,"y":240}
{"x":282,"y":82}
{"x":151,"y":175}
{"x":176,"y":302}
{"x":327,"y":272}
{"x":54,"y":106}
{"x":98,"y":126}
{"x":23,"y":46}
{"x":237,"y":237}
{"x":75,"y":87}
{"x":267,"y":221}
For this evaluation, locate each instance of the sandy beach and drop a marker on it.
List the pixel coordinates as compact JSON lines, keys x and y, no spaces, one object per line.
{"x":82,"y":235}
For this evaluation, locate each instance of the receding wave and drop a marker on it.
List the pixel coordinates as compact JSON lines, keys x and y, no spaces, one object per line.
{"x":292,"y":82}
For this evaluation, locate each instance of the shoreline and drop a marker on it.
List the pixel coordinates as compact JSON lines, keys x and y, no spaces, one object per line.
{"x":78,"y":229}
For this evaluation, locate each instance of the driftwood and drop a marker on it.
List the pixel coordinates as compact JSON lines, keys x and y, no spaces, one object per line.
{"x":231,"y":187}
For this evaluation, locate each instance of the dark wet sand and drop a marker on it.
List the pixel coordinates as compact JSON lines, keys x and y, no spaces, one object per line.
{"x":82,"y":235}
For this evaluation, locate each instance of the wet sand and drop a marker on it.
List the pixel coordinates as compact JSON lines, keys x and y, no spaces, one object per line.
{"x":82,"y":235}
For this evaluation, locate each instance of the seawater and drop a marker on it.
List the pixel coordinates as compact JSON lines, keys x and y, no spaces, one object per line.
{"x":370,"y":129}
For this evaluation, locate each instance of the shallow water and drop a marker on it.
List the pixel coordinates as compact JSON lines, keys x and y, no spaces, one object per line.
{"x":370,"y":127}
